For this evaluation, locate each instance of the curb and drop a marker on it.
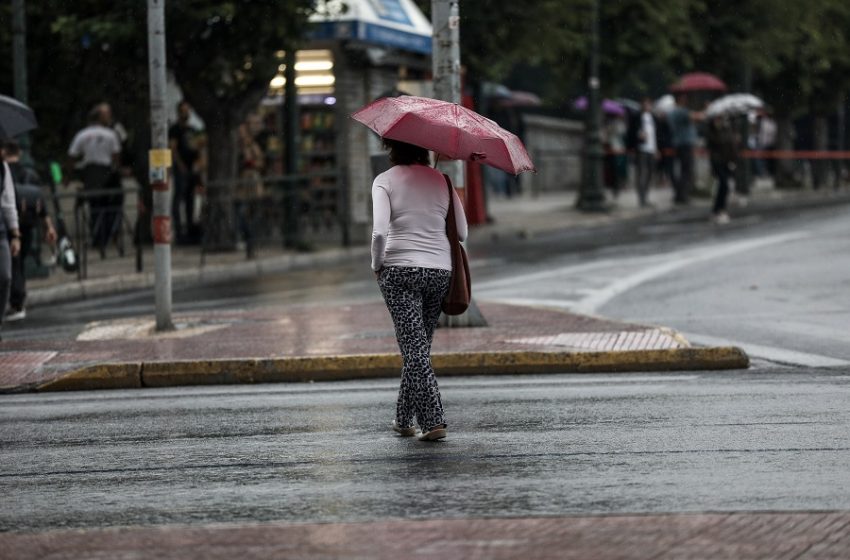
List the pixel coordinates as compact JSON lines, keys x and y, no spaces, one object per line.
{"x":376,"y":366}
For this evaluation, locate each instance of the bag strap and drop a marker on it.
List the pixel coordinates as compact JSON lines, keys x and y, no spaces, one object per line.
{"x":451,"y":225}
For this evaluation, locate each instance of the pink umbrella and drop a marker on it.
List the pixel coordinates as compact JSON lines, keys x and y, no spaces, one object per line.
{"x":698,"y":81}
{"x":446,"y":128}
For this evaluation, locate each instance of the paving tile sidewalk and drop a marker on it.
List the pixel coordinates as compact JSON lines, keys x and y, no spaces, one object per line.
{"x":344,"y":341}
{"x":704,"y":536}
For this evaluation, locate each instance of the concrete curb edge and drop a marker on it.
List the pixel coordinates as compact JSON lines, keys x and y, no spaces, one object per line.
{"x":375,"y":366}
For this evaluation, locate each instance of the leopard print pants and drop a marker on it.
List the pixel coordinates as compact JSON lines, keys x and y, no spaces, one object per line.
{"x":413,"y":297}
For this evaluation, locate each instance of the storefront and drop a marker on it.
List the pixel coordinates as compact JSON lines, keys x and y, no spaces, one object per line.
{"x":355,"y":56}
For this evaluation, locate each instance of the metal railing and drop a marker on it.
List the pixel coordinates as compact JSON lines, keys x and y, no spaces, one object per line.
{"x":288,"y":211}
{"x":99,"y":221}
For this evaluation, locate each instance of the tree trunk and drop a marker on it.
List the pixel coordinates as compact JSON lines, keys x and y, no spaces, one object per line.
{"x":220,"y":227}
{"x":785,"y":142}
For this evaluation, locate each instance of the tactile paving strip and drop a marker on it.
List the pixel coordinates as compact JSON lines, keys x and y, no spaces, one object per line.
{"x":649,"y":339}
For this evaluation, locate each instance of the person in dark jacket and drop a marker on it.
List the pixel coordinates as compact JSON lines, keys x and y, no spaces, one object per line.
{"x":32,"y":210}
{"x":723,"y":146}
{"x":10,"y":235}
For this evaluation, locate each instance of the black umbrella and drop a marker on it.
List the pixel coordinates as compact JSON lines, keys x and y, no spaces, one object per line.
{"x":15,"y":117}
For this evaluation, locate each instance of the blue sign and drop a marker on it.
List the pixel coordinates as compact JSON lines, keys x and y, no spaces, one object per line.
{"x":371,"y":33}
{"x":391,"y":10}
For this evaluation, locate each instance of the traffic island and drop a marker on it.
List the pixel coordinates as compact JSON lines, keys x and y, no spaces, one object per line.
{"x":334,"y":343}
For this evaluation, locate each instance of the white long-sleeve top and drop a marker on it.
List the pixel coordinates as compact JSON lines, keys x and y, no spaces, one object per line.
{"x":7,"y":200}
{"x":409,"y":207}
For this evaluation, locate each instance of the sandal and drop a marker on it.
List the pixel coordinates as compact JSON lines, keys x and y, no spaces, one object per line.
{"x":404,"y":432}
{"x":435,"y":433}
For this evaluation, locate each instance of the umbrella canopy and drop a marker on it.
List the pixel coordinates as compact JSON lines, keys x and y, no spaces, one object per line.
{"x":519,"y":99}
{"x":609,"y":107}
{"x":734,"y":104}
{"x":446,"y":128}
{"x":629,"y":104}
{"x":664,"y":104}
{"x":698,"y":81}
{"x":15,"y":117}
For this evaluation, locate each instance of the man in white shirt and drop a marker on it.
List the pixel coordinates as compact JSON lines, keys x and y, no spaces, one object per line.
{"x":647,"y":150}
{"x":97,"y":149}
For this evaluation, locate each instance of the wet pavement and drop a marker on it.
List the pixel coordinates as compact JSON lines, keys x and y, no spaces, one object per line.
{"x":522,"y":453}
{"x":727,"y":536}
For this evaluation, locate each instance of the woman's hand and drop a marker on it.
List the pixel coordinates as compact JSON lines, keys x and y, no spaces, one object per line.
{"x":15,"y":246}
{"x":378,"y":273}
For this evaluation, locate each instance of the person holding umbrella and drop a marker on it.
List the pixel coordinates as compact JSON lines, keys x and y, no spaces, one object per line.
{"x":31,"y":211}
{"x":723,"y":145}
{"x":15,"y":118}
{"x":411,"y":260}
{"x":411,"y":252}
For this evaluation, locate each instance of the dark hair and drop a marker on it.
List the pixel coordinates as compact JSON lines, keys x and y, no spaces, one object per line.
{"x":402,"y":153}
{"x":11,"y":148}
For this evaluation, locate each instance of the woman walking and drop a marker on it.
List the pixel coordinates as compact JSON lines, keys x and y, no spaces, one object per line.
{"x":412,"y":262}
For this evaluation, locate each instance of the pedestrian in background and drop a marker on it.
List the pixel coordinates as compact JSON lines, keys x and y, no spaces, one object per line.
{"x":97,"y":150}
{"x":32,"y":212}
{"x":412,"y":262}
{"x":10,"y":235}
{"x":723,"y":146}
{"x":683,"y":137}
{"x":667,"y":160}
{"x":646,"y":149}
{"x":182,"y":139}
{"x":616,"y":159}
{"x":767,"y":131}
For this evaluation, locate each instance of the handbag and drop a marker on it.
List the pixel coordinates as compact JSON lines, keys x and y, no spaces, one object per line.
{"x":460,"y":286}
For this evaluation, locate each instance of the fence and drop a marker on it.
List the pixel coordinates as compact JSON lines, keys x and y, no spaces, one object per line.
{"x":101,"y":219}
{"x":289,"y":211}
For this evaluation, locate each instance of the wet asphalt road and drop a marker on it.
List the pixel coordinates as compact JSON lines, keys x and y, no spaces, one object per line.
{"x":764,"y":440}
{"x":772,"y":438}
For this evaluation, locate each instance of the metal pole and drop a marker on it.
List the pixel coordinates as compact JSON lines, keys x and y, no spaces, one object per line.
{"x":591,"y":196}
{"x":19,"y":56}
{"x":445,"y":18}
{"x":160,"y":162}
{"x":743,"y":177}
{"x":290,"y":148}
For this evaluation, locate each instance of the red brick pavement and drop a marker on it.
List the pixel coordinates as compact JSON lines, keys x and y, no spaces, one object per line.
{"x":727,"y":536}
{"x":289,"y":332}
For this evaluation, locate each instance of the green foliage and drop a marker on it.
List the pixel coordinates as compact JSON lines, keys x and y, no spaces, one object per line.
{"x":223,"y":52}
{"x":88,"y":51}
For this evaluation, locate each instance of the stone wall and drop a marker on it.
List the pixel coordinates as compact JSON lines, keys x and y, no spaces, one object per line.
{"x":356,"y":85}
{"x":554,"y":145}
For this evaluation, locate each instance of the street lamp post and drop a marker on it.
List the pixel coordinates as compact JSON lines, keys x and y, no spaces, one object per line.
{"x":159,"y":163}
{"x":445,"y":18}
{"x":19,"y":62}
{"x":591,"y":196}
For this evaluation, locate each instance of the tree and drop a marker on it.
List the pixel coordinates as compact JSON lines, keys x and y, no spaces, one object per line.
{"x":797,"y":55}
{"x":223,"y":55}
{"x":496,"y":35}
